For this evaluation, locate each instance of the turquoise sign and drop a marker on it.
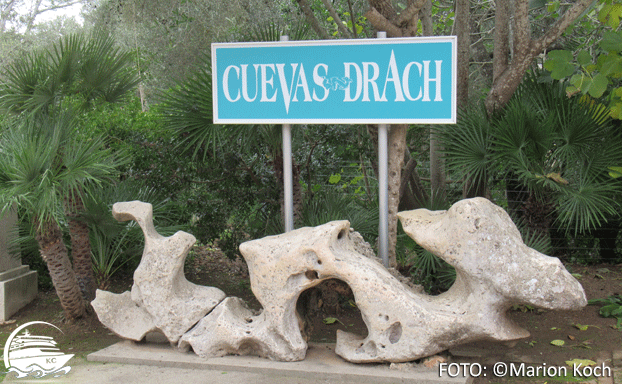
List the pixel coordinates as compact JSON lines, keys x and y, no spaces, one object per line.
{"x":381,"y":81}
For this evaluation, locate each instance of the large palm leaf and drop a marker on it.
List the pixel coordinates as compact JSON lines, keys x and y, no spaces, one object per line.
{"x":187,"y":109}
{"x":468,"y":145}
{"x":84,"y":67}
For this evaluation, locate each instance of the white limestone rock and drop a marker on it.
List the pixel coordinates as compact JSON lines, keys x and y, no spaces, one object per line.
{"x":160,"y":287}
{"x":122,"y":315}
{"x":232,"y":328}
{"x":495,"y":270}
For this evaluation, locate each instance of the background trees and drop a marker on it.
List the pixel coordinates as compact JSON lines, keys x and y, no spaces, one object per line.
{"x":224,"y":182}
{"x":48,"y":164}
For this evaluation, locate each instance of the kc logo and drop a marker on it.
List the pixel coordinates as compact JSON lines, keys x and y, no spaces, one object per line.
{"x":37,"y":356}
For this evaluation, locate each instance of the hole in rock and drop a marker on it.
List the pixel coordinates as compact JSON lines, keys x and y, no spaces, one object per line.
{"x":312,"y":275}
{"x":327,"y":307}
{"x":341,"y":234}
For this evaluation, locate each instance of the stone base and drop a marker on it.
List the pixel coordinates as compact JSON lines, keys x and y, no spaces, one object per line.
{"x":18,"y":287}
{"x":321,"y":364}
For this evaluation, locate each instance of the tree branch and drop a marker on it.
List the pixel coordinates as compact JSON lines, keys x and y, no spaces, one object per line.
{"x":380,"y":23}
{"x":501,"y":49}
{"x":522,"y":33}
{"x":342,"y":28}
{"x":426,"y":19}
{"x":306,"y":9}
{"x":352,"y":19}
{"x":406,"y":15}
{"x":59,"y":6}
{"x":506,"y":81}
{"x":556,"y":30}
{"x":406,"y":173}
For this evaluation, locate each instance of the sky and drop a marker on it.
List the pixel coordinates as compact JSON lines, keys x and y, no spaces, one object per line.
{"x":74,"y":10}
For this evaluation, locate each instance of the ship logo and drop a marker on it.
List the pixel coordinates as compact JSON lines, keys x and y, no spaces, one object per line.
{"x":36,"y":356}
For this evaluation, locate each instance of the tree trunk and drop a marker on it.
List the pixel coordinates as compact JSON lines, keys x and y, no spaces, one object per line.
{"x":54,"y":253}
{"x":383,"y":17}
{"x":81,"y":248}
{"x":507,"y":74}
{"x":437,"y":164}
{"x":396,"y":145}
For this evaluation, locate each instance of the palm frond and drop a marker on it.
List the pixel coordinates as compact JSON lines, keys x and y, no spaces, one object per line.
{"x":467,"y":145}
{"x":330,"y":205}
{"x":187,"y":109}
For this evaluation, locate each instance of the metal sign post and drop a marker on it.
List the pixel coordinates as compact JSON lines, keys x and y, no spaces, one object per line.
{"x":383,"y":187}
{"x":288,"y":182}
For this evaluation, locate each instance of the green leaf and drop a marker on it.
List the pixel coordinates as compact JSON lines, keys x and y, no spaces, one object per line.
{"x":613,"y":19}
{"x":560,"y":64}
{"x":332,"y":320}
{"x":584,"y":58}
{"x":561,"y":55}
{"x":558,"y":343}
{"x":334,"y":179}
{"x":581,"y":327}
{"x":580,"y":362}
{"x":612,"y":42}
{"x":615,"y":172}
{"x":607,"y":310}
{"x":553,"y":7}
{"x":599,"y":85}
{"x":581,"y":82}
{"x":610,"y":64}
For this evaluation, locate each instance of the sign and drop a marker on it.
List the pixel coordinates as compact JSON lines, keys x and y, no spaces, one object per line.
{"x":381,"y":81}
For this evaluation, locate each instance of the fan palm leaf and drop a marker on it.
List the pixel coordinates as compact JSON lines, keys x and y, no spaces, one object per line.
{"x":88,"y":67}
{"x":468,"y":145}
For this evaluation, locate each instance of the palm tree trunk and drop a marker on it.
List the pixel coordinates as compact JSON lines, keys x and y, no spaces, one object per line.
{"x":54,"y":253}
{"x":80,"y":248}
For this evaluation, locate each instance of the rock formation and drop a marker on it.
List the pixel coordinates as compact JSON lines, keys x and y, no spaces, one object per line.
{"x":494,"y":269}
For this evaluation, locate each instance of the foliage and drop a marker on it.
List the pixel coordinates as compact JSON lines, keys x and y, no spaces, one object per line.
{"x":330,"y":204}
{"x":612,"y":307}
{"x":79,"y":68}
{"x":558,"y":147}
{"x":170,"y":37}
{"x":117,"y":245}
{"x":600,"y":78}
{"x":42,"y":159}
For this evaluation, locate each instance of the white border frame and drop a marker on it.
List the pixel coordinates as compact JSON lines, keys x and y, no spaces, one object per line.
{"x":387,"y":120}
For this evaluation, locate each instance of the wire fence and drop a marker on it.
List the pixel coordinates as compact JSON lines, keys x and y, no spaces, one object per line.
{"x":603,"y":244}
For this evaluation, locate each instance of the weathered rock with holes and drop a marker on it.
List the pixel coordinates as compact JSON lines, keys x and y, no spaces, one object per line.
{"x":160,"y":287}
{"x":232,"y":328}
{"x":494,"y":269}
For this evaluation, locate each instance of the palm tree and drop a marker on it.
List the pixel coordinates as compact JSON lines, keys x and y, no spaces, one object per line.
{"x":187,"y":109}
{"x":74,"y":73}
{"x":558,"y":148}
{"x":42,"y":159}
